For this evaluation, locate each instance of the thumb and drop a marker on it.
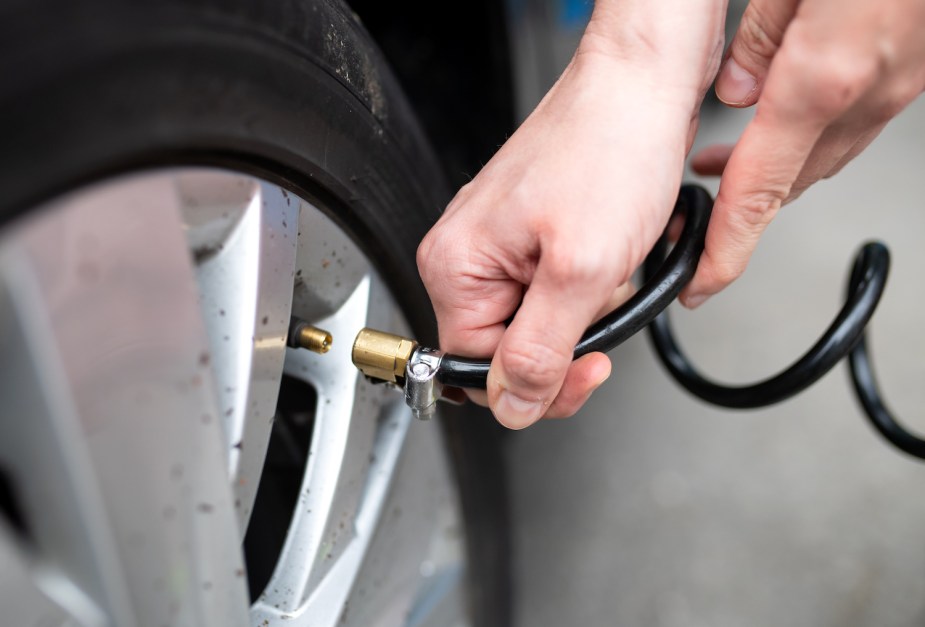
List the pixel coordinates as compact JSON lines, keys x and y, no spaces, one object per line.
{"x":756,"y":41}
{"x":535,"y":353}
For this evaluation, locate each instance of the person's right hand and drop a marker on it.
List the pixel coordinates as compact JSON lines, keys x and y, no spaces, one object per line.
{"x":827,"y":75}
{"x":562,"y":215}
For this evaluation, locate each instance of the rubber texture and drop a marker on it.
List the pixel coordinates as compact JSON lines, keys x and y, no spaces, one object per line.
{"x":293,"y":91}
{"x":442,"y":66}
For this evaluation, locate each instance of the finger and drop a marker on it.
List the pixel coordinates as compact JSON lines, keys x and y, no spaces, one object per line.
{"x":799,"y":103}
{"x":471,"y":299}
{"x":859,"y":147}
{"x":534,"y":355}
{"x":842,"y":141}
{"x":675,"y":228}
{"x":693,"y":128}
{"x":584,"y":375}
{"x":712,"y":160}
{"x":479,"y":397}
{"x":619,"y":296}
{"x":830,"y":149}
{"x":749,"y":57}
{"x":756,"y":180}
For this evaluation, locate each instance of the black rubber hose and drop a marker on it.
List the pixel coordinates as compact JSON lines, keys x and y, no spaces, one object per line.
{"x":870,"y":271}
{"x":868,"y":393}
{"x":660,"y":289}
{"x":664,"y":279}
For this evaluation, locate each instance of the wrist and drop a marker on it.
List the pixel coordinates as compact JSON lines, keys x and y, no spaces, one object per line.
{"x":617,"y":83}
{"x":676,"y":46}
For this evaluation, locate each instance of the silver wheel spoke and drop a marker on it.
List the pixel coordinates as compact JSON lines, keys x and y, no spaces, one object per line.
{"x":109,"y":272}
{"x":60,"y":499}
{"x":243,"y":235}
{"x":321,"y":589}
{"x":359,"y":438}
{"x":419,"y":525}
{"x":323,"y":524}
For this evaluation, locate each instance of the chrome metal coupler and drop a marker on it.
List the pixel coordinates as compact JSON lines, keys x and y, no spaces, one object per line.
{"x":401,"y":361}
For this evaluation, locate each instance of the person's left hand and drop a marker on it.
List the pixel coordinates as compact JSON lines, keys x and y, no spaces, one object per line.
{"x":827,"y":76}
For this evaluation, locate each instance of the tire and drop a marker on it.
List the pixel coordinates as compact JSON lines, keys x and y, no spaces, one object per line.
{"x":293,"y":92}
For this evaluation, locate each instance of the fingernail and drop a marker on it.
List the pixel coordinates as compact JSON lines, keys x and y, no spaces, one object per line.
{"x":735,"y":84}
{"x":516,"y":413}
{"x":695,"y":301}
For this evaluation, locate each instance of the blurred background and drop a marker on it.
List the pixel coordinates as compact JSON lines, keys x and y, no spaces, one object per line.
{"x":651,"y":508}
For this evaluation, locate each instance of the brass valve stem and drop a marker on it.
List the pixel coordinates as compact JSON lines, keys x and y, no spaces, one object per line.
{"x":304,"y":335}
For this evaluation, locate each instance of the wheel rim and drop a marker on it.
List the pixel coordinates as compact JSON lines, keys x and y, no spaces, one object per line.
{"x":143,"y":327}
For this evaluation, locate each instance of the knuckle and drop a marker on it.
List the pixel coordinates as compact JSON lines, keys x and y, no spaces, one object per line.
{"x":425,"y":254}
{"x":757,"y":36}
{"x":440,"y":253}
{"x":535,"y":364}
{"x":523,"y":194}
{"x":425,"y":249}
{"x":848,"y":77}
{"x":756,"y":212}
{"x":834,"y":77}
{"x":569,"y":264}
{"x":750,"y":217}
{"x":463,"y":194}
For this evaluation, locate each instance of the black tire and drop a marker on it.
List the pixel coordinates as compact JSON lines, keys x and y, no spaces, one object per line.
{"x":293,"y":91}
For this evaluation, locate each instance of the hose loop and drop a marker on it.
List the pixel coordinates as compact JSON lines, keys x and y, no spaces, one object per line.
{"x":867,"y":390}
{"x":870,"y":273}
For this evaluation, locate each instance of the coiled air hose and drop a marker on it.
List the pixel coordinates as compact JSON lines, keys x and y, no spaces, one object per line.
{"x":664,"y":279}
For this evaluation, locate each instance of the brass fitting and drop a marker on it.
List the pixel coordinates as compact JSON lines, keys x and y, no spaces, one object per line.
{"x":315,"y":339}
{"x":382,"y":355}
{"x":304,"y":335}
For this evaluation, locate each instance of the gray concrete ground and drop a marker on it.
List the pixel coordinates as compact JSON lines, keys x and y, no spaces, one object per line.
{"x":651,"y":509}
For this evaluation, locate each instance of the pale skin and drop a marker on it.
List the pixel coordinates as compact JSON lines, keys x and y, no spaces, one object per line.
{"x":562,"y":215}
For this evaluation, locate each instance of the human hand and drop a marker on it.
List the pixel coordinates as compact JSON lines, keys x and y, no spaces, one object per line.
{"x":559,"y":219}
{"x":827,"y":76}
